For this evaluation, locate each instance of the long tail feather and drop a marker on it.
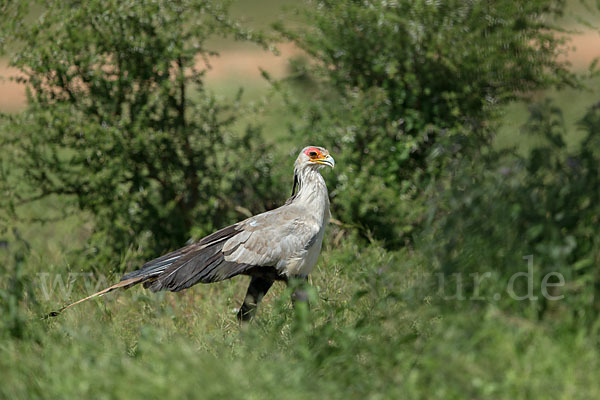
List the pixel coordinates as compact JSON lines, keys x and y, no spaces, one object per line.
{"x":126,"y":283}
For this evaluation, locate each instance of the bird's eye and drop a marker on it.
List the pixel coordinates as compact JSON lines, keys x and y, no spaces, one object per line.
{"x":312,"y":154}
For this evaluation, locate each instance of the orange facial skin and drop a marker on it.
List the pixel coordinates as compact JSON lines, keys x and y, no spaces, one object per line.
{"x":314,"y":153}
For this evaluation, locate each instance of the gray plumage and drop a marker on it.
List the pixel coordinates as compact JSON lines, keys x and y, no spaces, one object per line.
{"x":280,"y":244}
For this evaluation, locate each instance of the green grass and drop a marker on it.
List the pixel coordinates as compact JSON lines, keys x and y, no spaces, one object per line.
{"x":371,"y":333}
{"x":578,"y":11}
{"x":574,"y":103}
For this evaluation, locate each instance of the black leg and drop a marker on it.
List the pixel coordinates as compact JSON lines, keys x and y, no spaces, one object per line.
{"x":256,"y":291}
{"x":300,"y":294}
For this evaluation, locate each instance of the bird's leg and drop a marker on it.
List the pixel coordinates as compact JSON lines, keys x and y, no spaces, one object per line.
{"x":256,"y":291}
{"x":300,"y":294}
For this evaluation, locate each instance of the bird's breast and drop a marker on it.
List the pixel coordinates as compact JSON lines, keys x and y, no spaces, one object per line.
{"x":302,"y":261}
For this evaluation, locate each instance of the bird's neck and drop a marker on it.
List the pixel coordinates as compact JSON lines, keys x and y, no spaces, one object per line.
{"x":311,"y":191}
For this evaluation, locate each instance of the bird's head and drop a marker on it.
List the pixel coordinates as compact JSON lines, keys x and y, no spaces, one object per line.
{"x":314,"y":157}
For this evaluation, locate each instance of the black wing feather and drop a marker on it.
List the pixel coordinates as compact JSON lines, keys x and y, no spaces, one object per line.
{"x":202,"y":261}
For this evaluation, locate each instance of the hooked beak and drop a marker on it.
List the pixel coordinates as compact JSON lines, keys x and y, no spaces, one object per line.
{"x":327,"y":160}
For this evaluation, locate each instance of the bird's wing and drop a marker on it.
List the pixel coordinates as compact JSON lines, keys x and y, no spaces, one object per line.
{"x":266,"y":239}
{"x":272,"y":238}
{"x":207,"y":245}
{"x":149,"y":273}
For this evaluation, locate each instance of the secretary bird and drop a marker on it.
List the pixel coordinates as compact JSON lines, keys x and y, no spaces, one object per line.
{"x":277,"y":245}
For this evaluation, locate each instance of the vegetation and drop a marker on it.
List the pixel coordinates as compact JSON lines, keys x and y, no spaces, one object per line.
{"x":127,"y":126}
{"x":542,"y":205}
{"x":456,"y":269}
{"x":417,"y":84}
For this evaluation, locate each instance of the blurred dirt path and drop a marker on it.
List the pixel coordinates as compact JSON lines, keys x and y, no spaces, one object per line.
{"x":245,"y":64}
{"x":228,"y":66}
{"x":12,"y":94}
{"x":587,"y":48}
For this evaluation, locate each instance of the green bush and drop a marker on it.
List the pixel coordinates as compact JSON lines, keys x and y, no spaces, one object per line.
{"x":408,"y":85}
{"x":118,"y":120}
{"x":544,"y":204}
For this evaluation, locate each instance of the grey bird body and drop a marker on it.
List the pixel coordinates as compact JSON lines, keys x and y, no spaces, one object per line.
{"x":288,"y":238}
{"x":280,"y":244}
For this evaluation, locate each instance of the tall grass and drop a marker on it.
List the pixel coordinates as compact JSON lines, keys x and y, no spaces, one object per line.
{"x":374,"y":330}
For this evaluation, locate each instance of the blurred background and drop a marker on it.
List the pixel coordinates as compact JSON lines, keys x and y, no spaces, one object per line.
{"x":462,"y":259}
